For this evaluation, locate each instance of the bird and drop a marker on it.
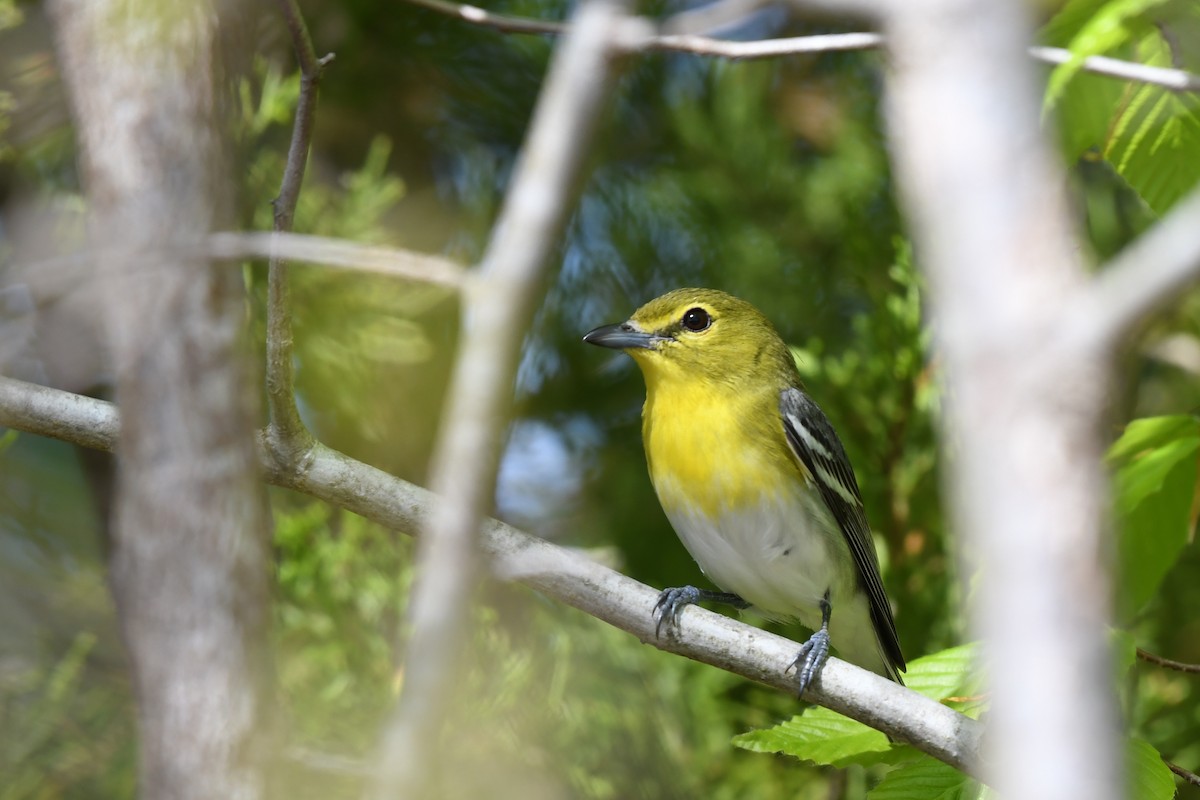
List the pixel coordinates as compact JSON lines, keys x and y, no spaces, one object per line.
{"x":754,"y":480}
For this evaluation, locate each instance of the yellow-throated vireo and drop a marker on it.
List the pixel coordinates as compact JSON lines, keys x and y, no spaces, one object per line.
{"x":753,"y":478}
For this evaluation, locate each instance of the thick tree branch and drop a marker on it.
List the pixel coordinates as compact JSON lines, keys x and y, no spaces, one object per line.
{"x":983,"y":191}
{"x":557,"y":572}
{"x":1176,"y":80}
{"x":499,"y":305}
{"x":189,"y":561}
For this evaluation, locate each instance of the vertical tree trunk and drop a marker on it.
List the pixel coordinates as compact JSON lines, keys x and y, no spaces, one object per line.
{"x":189,"y":564}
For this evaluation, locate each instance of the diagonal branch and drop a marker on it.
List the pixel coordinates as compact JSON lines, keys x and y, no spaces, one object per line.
{"x":1147,"y":275}
{"x":498,"y":308}
{"x":556,"y":572}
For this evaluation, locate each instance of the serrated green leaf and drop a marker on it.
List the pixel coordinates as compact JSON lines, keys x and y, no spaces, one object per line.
{"x":925,"y":779}
{"x":817,"y":735}
{"x":1154,"y":138}
{"x":948,"y":673}
{"x":1148,"y":775}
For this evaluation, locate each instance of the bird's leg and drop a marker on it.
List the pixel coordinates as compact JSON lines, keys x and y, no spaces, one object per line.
{"x":672,"y":601}
{"x":815,"y":651}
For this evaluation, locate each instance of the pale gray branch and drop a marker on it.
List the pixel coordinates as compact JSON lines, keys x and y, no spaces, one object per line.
{"x":499,"y":305}
{"x":333,"y":252}
{"x":670,"y":39}
{"x":1144,"y":277}
{"x":563,"y":574}
{"x":1026,"y":402}
{"x":1176,"y":80}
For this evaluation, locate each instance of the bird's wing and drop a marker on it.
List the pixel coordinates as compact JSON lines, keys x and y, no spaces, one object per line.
{"x":815,"y":443}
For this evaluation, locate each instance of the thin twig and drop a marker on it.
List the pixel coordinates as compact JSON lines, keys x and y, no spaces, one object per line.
{"x":499,"y":307}
{"x":1179,"y":666}
{"x":286,"y":430}
{"x":1176,"y":80}
{"x":557,"y":572}
{"x":1187,"y":775}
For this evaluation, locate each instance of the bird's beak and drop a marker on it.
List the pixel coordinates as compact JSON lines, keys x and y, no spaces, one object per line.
{"x":621,"y":336}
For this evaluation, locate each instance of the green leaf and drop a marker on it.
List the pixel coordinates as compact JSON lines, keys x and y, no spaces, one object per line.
{"x":1112,"y":25}
{"x":818,"y":735}
{"x":1148,"y":775}
{"x":948,"y":673}
{"x":1153,"y":139}
{"x":1156,"y":486}
{"x":925,"y":779}
{"x":1150,"y":432}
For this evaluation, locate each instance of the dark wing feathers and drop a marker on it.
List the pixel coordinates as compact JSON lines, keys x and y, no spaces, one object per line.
{"x":815,"y":443}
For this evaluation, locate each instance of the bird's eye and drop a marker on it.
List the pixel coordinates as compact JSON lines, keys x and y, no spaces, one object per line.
{"x":696,"y":319}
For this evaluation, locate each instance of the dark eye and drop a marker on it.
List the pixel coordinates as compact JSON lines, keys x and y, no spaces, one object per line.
{"x":696,"y":319}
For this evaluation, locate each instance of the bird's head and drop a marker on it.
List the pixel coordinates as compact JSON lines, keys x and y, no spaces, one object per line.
{"x":693,"y":334}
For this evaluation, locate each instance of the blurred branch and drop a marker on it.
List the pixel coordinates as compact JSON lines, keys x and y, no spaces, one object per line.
{"x":983,"y":191}
{"x":1180,"y":666}
{"x":1146,"y":275}
{"x":285,"y":430}
{"x":499,"y":306}
{"x":565,"y":575}
{"x":189,"y":565}
{"x":237,"y":245}
{"x":1176,"y":80}
{"x":333,"y":252}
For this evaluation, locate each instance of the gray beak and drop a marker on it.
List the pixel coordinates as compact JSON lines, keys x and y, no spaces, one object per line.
{"x":620,"y":336}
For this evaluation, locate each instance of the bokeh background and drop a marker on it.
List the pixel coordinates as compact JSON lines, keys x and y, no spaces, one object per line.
{"x":768,"y":179}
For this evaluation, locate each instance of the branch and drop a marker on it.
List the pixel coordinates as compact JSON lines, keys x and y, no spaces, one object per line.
{"x":983,"y":192}
{"x":1147,"y":275}
{"x":285,"y":430}
{"x":565,"y":575}
{"x":1168,"y":663}
{"x":1176,"y":80}
{"x":333,"y":252}
{"x":1187,"y":775}
{"x":497,"y":313}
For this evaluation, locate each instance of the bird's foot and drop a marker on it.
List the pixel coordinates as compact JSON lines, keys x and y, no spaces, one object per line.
{"x":670,"y":603}
{"x":810,"y":659}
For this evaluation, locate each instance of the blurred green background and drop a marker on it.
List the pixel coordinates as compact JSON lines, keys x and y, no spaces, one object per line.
{"x":767,"y":179}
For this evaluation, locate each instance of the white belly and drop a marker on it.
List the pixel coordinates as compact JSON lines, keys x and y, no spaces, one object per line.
{"x":781,"y":555}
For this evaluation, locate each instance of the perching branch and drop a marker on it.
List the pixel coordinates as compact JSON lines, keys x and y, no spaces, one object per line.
{"x":285,"y":430}
{"x":499,"y":305}
{"x":560,"y":573}
{"x":1176,"y":80}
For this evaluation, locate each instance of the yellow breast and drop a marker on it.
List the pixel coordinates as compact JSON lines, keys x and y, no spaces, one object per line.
{"x":713,"y":451}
